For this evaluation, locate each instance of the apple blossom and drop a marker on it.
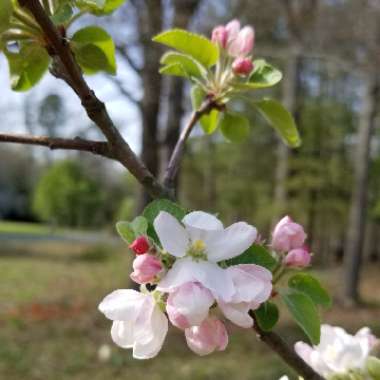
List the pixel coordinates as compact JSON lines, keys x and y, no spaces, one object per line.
{"x":233,"y":29}
{"x":243,"y":43}
{"x":338,"y":352}
{"x":253,"y":286}
{"x":138,"y":321}
{"x":287,"y":235}
{"x":189,"y":305}
{"x":140,"y":245}
{"x":146,"y":267}
{"x":220,"y":36}
{"x":199,"y":244}
{"x":211,"y":335}
{"x":298,"y":258}
{"x":242,"y":66}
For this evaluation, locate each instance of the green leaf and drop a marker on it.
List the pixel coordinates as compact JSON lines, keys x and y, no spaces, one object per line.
{"x":153,"y":209}
{"x":267,"y":316}
{"x":309,"y":285}
{"x":6,"y":8}
{"x":139,"y":226}
{"x":126,"y":232}
{"x":180,"y":65}
{"x":27,"y":67}
{"x":264,"y":75}
{"x":94,"y":50}
{"x":373,"y":367}
{"x":198,"y":47}
{"x":234,"y":127}
{"x":209,"y":122}
{"x":99,"y":7}
{"x":62,"y":14}
{"x":256,"y":254}
{"x":281,"y":120}
{"x":304,"y":312}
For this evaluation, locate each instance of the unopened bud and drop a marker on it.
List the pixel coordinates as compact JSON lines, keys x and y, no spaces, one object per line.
{"x":242,"y":66}
{"x":140,"y":245}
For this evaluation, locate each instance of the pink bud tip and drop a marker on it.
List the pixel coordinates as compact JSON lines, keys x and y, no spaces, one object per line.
{"x":145,"y":268}
{"x":288,"y":235}
{"x":220,"y":36}
{"x":140,"y":245}
{"x":242,"y":66}
{"x":298,"y":258}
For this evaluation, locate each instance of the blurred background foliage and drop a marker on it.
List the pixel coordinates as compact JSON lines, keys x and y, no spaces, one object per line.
{"x":329,"y":51}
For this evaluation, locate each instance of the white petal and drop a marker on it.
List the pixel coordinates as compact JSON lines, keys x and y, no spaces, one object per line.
{"x":231,"y":242}
{"x":202,"y":220}
{"x":210,"y":275}
{"x":158,"y":328}
{"x":172,"y":234}
{"x":122,"y":305}
{"x":237,"y":313}
{"x":122,"y":333}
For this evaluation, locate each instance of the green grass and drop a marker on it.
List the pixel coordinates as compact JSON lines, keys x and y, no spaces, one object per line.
{"x":50,"y":328}
{"x":24,"y":228}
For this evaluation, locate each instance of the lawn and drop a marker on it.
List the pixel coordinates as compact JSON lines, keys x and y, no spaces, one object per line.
{"x":50,"y":328}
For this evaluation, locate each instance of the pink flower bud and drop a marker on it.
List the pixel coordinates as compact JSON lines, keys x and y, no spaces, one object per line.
{"x":145,"y":268}
{"x":298,"y":258}
{"x":189,"y":305}
{"x":233,"y":29}
{"x":287,"y":235}
{"x":211,"y":335}
{"x":140,"y":245}
{"x":243,"y":43}
{"x":220,"y":36}
{"x":242,"y":66}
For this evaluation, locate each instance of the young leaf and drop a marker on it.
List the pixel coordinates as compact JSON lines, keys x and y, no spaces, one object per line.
{"x":309,"y":285}
{"x":180,"y":65}
{"x":267,"y":316}
{"x":94,"y":50}
{"x":125,"y":231}
{"x":281,"y":120}
{"x":234,"y":127}
{"x":264,"y":75}
{"x":6,"y":9}
{"x":256,"y":254}
{"x":99,"y":7}
{"x":28,"y":66}
{"x":209,"y":122}
{"x":198,"y":47}
{"x":139,"y":226}
{"x":305,"y":313}
{"x":62,"y":14}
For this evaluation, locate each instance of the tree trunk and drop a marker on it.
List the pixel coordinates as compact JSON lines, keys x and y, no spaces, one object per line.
{"x":357,"y":222}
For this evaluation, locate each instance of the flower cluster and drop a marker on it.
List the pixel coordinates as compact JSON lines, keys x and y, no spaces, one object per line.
{"x":289,"y":240}
{"x":190,"y":283}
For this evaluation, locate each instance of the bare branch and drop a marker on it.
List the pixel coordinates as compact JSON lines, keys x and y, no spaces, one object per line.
{"x":280,"y":347}
{"x":100,"y":148}
{"x":124,"y":91}
{"x":122,"y":50}
{"x":65,"y":64}
{"x":175,"y":159}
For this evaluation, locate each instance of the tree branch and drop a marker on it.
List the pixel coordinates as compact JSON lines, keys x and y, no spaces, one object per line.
{"x":122,"y":50}
{"x":125,"y":92}
{"x":280,"y":347}
{"x":67,"y":69}
{"x":100,"y":148}
{"x":175,"y":159}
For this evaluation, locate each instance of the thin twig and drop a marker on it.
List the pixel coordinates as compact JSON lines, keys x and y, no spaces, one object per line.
{"x":125,"y":92}
{"x":100,"y":148}
{"x":176,"y":157}
{"x":281,"y":348}
{"x":59,"y":49}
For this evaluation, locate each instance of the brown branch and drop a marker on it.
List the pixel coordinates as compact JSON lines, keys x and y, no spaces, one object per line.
{"x":175,"y":159}
{"x":67,"y":69}
{"x":280,"y":347}
{"x":100,"y":148}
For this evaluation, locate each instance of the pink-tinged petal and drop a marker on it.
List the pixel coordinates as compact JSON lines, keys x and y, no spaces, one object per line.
{"x":122,"y":333}
{"x":172,"y":234}
{"x":220,"y":36}
{"x":304,"y":351}
{"x":211,"y":335}
{"x":122,"y":305}
{"x":233,"y":29}
{"x":298,"y":258}
{"x":243,"y":43}
{"x":288,"y":235}
{"x":233,"y":241}
{"x":210,"y":275}
{"x":145,"y":268}
{"x":237,"y":313}
{"x":189,"y":305}
{"x":202,"y":220}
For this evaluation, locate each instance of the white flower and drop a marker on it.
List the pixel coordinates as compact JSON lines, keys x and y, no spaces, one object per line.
{"x":199,"y":244}
{"x":253,"y":286}
{"x":138,"y":322}
{"x":337,"y":351}
{"x":284,"y":378}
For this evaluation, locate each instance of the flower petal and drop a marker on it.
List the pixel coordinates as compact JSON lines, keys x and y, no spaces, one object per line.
{"x":122,"y":333}
{"x":210,"y":275}
{"x":172,"y":234}
{"x":237,"y":313}
{"x":233,"y":241}
{"x":122,"y":305}
{"x":202,"y":220}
